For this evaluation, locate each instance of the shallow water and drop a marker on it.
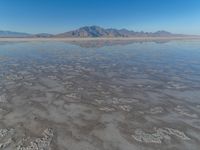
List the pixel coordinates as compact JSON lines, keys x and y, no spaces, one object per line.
{"x":56,"y":95}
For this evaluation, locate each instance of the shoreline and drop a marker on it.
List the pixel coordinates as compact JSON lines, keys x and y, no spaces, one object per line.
{"x":22,"y":39}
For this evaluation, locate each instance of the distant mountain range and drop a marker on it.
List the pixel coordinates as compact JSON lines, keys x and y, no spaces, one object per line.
{"x":96,"y":31}
{"x":92,"y":31}
{"x":13,"y":34}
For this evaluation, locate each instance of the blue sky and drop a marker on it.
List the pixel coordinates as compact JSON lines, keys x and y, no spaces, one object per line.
{"x":55,"y":16}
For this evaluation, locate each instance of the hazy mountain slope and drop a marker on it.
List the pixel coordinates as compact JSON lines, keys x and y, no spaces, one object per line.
{"x":13,"y":34}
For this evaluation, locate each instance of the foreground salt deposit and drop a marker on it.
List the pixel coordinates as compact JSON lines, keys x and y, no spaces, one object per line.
{"x":39,"y":143}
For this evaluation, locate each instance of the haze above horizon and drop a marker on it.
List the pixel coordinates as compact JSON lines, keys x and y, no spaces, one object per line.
{"x":51,"y":16}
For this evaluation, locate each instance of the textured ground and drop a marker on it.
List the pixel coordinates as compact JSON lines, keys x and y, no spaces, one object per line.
{"x":140,"y":96}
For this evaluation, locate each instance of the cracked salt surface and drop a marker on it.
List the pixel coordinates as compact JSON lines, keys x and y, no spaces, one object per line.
{"x":106,"y":109}
{"x":42,"y":143}
{"x":5,"y":142}
{"x":158,"y":135}
{"x":156,"y":110}
{"x":3,"y":132}
{"x":126,"y":108}
{"x":183,"y":111}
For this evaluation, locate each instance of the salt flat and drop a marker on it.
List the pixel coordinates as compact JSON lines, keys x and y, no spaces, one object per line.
{"x":70,"y":95}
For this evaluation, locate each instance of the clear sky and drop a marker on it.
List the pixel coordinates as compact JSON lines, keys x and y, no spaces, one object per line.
{"x":55,"y":16}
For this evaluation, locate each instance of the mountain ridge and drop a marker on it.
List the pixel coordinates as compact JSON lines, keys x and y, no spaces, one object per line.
{"x":92,"y":32}
{"x":97,"y":31}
